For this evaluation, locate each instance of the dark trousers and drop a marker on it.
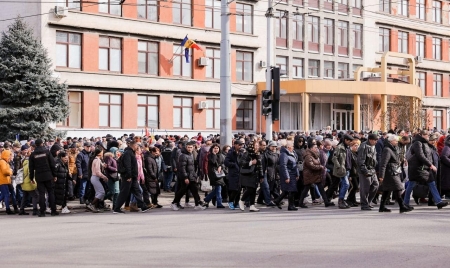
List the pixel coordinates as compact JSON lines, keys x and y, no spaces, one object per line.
{"x":183,"y":189}
{"x":352,"y":193}
{"x":145,"y":194}
{"x":335,"y":181}
{"x":274,"y":189}
{"x":250,"y":195}
{"x":127,"y":188}
{"x":234,"y":196}
{"x":154,"y":199}
{"x":42,"y":187}
{"x":34,"y":198}
{"x":19,"y":193}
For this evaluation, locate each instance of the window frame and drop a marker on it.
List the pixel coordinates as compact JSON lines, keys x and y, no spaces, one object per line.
{"x":181,"y":10}
{"x":313,"y":31}
{"x":242,"y":62}
{"x":109,"y":104}
{"x":211,"y":63}
{"x":147,"y":53}
{"x":182,"y":114}
{"x":327,"y":69}
{"x":68,"y":44}
{"x":421,"y":80}
{"x":420,"y":9}
{"x":66,"y":123}
{"x":437,"y":48}
{"x":298,"y":27}
{"x":250,"y":112}
{"x":384,"y":34}
{"x":438,"y":117}
{"x":328,"y":28}
{"x":343,"y":41}
{"x":436,"y":7}
{"x":179,"y":55}
{"x":357,"y":35}
{"x":310,"y":67}
{"x":283,"y":66}
{"x":344,"y":71}
{"x":146,"y":106}
{"x":296,"y":67}
{"x":241,"y":13}
{"x":145,"y":6}
{"x":66,"y":3}
{"x":437,"y":85}
{"x":384,"y":6}
{"x":214,"y":10}
{"x":281,"y":34}
{"x":402,"y":42}
{"x":102,"y":2}
{"x":109,"y":53}
{"x":420,"y":45}
{"x":403,"y":7}
{"x":216,"y":125}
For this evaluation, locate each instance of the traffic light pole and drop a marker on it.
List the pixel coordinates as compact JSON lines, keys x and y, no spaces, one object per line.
{"x":225,"y":77}
{"x":269,"y":16}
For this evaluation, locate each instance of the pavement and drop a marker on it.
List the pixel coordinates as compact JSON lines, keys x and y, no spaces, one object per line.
{"x":313,"y":237}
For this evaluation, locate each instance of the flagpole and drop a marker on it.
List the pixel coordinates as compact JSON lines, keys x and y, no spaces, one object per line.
{"x":225,"y":76}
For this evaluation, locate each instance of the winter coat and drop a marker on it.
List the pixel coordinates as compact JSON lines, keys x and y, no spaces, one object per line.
{"x":445,"y":166}
{"x":214,"y":162}
{"x":299,"y":150}
{"x":323,"y":157}
{"x":42,"y":165}
{"x":224,"y":168}
{"x":339,"y":160}
{"x":435,"y":161}
{"x":232,"y":163}
{"x":420,"y":161}
{"x":251,"y":180}
{"x":390,"y":163}
{"x":27,"y":185}
{"x":130,"y":164}
{"x":82,"y":163}
{"x":5,"y":168}
{"x":151,"y":173}
{"x":111,"y":164}
{"x":72,"y":163}
{"x":17,"y":163}
{"x":367,"y":160}
{"x":272,"y":165}
{"x":379,"y":150}
{"x":288,"y":170}
{"x":186,"y":166}
{"x":202,"y":159}
{"x":62,"y":175}
{"x":312,"y":169}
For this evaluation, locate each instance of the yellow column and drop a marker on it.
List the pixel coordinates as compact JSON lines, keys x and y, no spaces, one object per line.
{"x":383,"y":112}
{"x":305,"y":110}
{"x":357,"y":112}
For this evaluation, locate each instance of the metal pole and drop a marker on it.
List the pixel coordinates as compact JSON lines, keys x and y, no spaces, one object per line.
{"x":269,"y":15}
{"x":225,"y":76}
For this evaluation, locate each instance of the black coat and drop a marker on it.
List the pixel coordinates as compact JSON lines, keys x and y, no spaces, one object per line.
{"x":251,"y":180}
{"x":214,"y":162}
{"x":272,"y":165}
{"x":42,"y":165}
{"x":62,"y":175}
{"x":186,"y":166}
{"x":445,"y":166}
{"x":232,"y":163}
{"x":420,"y":161}
{"x":130,"y":164}
{"x":151,"y":173}
{"x":390,"y":162}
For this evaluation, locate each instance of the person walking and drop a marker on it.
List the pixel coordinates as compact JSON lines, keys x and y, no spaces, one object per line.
{"x":5,"y":180}
{"x":62,"y":177}
{"x":216,"y":175}
{"x":29,"y":189}
{"x":110,"y":159}
{"x":232,"y":163}
{"x":289,"y":175}
{"x":82,"y":163}
{"x":96,"y":171}
{"x":251,"y":173}
{"x":367,"y":162}
{"x":342,"y":165}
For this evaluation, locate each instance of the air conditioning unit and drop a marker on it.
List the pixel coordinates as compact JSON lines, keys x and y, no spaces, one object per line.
{"x":419,"y":59}
{"x":262,"y":64}
{"x":203,"y":105}
{"x":203,"y":61}
{"x":374,"y":75}
{"x":61,"y":12}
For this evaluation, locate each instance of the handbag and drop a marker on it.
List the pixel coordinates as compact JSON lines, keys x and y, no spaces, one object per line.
{"x":396,"y":169}
{"x":300,"y":166}
{"x":114,"y":176}
{"x":206,"y":186}
{"x":220,"y":174}
{"x":248,"y":170}
{"x":420,"y":190}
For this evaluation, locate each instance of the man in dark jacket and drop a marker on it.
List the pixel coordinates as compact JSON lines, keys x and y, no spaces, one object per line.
{"x":264,"y":191}
{"x":82,"y":163}
{"x":232,"y":163}
{"x":368,"y":181}
{"x":166,"y":153}
{"x":128,"y":169}
{"x":42,"y":169}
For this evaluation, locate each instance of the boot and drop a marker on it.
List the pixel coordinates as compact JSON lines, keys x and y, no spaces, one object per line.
{"x":383,"y":203}
{"x":416,"y":199}
{"x":442,"y":204}
{"x":16,"y":210}
{"x":22,"y":212}
{"x":402,"y":206}
{"x":291,"y":202}
{"x":278,"y":202}
{"x":134,"y":207}
{"x":342,"y":204}
{"x":9,"y":212}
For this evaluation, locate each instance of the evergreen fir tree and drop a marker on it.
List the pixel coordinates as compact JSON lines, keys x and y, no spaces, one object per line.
{"x":30,"y":98}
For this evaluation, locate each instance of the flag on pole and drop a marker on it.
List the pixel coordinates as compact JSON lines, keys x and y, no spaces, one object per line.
{"x":188,"y":44}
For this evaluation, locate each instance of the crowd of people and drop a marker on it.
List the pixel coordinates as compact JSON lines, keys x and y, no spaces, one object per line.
{"x":255,"y":170}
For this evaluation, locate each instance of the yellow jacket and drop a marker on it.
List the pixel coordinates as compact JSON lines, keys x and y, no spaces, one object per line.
{"x":5,"y":168}
{"x":72,"y":165}
{"x":27,"y":185}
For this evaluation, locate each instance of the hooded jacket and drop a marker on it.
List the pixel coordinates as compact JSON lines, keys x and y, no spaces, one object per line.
{"x":420,"y":161}
{"x":186,"y":166}
{"x":288,"y":170}
{"x":5,"y":168}
{"x":312,"y":169}
{"x":445,"y":166}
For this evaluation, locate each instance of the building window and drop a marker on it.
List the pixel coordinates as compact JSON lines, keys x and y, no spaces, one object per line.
{"x":281,"y":29}
{"x":180,"y":67}
{"x":213,"y":114}
{"x":68,"y":50}
{"x":420,"y":45}
{"x":148,"y":57}
{"x":402,"y":42}
{"x":147,"y":111}
{"x":354,"y":68}
{"x":313,"y":3}
{"x":181,"y":12}
{"x":182,"y":112}
{"x":71,"y":4}
{"x":420,"y":9}
{"x":357,"y":7}
{"x":313,"y":68}
{"x":437,"y":48}
{"x":298,"y":32}
{"x":437,"y":85}
{"x":421,"y":81}
{"x":328,"y":5}
{"x":357,"y":39}
{"x":74,"y":118}
{"x":244,"y":114}
{"x":342,"y":6}
{"x":110,"y":110}
{"x":384,"y":39}
{"x":328,"y":27}
{"x":297,"y":68}
{"x":212,"y":14}
{"x":110,"y":54}
{"x":385,"y":5}
{"x":112,"y":7}
{"x":147,"y":9}
{"x":313,"y":33}
{"x":213,"y":67}
{"x":437,"y":119}
{"x":343,"y":38}
{"x":298,"y":2}
{"x":244,"y":18}
{"x":342,"y":70}
{"x":328,"y":69}
{"x":437,"y":10}
{"x":244,"y":66}
{"x":403,"y":7}
{"x":282,"y":63}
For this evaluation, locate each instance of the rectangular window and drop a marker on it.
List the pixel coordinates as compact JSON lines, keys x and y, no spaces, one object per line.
{"x":343,"y":38}
{"x":282,"y":63}
{"x":68,"y":50}
{"x":244,"y":66}
{"x":212,"y":14}
{"x":110,"y":54}
{"x":298,"y":2}
{"x":180,"y":67}
{"x":328,"y":27}
{"x":313,"y":68}
{"x":297,"y":68}
{"x":421,"y":81}
{"x":357,"y":7}
{"x":328,"y":69}
{"x":384,"y":43}
{"x":437,"y":119}
{"x":147,"y":9}
{"x":384,"y":5}
{"x":357,"y":39}
{"x":437,"y":48}
{"x":328,"y":5}
{"x":420,"y":45}
{"x":244,"y":18}
{"x":244,"y":114}
{"x":420,"y":9}
{"x":342,"y":70}
{"x":313,"y":33}
{"x":402,"y":42}
{"x":71,"y":4}
{"x":437,"y":85}
{"x":110,"y":110}
{"x":213,"y":114}
{"x":437,"y":11}
{"x":148,"y":57}
{"x":182,"y":112}
{"x":74,"y":118}
{"x":181,"y":12}
{"x":112,"y":7}
{"x":342,"y":6}
{"x":281,"y":29}
{"x":313,"y":3}
{"x":298,"y":32}
{"x":148,"y":111}
{"x":213,"y":68}
{"x":403,"y":7}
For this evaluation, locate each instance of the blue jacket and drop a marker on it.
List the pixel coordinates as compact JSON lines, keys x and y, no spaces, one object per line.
{"x":82,"y":164}
{"x":288,"y":170}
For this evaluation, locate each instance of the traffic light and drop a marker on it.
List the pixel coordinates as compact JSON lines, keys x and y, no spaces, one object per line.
{"x":266,"y":102}
{"x":276,"y":94}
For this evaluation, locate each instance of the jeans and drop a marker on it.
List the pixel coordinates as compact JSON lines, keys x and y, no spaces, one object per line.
{"x":265,"y":191}
{"x":4,"y":195}
{"x":433,"y":190}
{"x":126,"y":188}
{"x":344,"y":185}
{"x":168,"y":177}
{"x":217,"y":192}
{"x":34,"y":197}
{"x":82,"y":189}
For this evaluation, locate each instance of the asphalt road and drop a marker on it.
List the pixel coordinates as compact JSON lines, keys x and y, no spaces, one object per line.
{"x":313,"y":237}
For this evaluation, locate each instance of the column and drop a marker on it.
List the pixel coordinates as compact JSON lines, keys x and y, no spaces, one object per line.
{"x":305,"y":111}
{"x":166,"y":111}
{"x":383,"y":112}
{"x":129,"y":9}
{"x":357,"y":112}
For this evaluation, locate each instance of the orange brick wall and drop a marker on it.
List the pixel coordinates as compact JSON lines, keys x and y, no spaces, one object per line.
{"x":412,"y":8}
{"x":444,"y":49}
{"x":90,"y":7}
{"x":165,"y":12}
{"x":130,"y":56}
{"x":233,"y":113}
{"x":445,"y":7}
{"x":165,"y":54}
{"x":394,"y":40}
{"x":445,"y":86}
{"x":90,"y":109}
{"x":199,"y":72}
{"x":129,"y":110}
{"x":429,"y":84}
{"x":199,"y":116}
{"x":90,"y":52}
{"x":129,"y":9}
{"x":412,"y":44}
{"x":165,"y":115}
{"x":198,"y":13}
{"x":233,"y":65}
{"x":428,"y":47}
{"x":233,"y":19}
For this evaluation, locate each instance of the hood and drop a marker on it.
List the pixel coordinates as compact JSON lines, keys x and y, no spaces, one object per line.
{"x":296,"y":139}
{"x":311,"y":153}
{"x":6,"y":154}
{"x":389,"y":145}
{"x":184,"y":151}
{"x":420,"y":139}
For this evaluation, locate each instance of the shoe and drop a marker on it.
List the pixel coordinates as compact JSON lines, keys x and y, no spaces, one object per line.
{"x":342,"y":204}
{"x":118,"y":212}
{"x":54,"y":213}
{"x":91,"y":208}
{"x":174,"y":207}
{"x":157,"y":206}
{"x":366,"y":208}
{"x":384,"y":210}
{"x":199,"y":207}
{"x":145,"y":209}
{"x":442,"y":204}
{"x":188,"y":205}
{"x":9,"y":212}
{"x":247,"y":204}
{"x":370,"y":206}
{"x":292,"y":208}
{"x":416,"y":199}
{"x":231,"y":205}
{"x":48,"y":211}
{"x":22,"y":212}
{"x":303,"y":206}
{"x":253,"y":208}
{"x":35,"y":213}
{"x":316,"y":202}
{"x":221,"y":206}
{"x":65,"y":210}
{"x":330,"y":204}
{"x":41,"y":215}
{"x":241,"y":205}
{"x":404,"y":209}
{"x":81,"y":200}
{"x":180,"y":206}
{"x":409,"y":207}
{"x":205,"y":204}
{"x":271,"y":204}
{"x":127,"y":208}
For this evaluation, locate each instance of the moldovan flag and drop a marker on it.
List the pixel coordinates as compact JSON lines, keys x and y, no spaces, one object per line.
{"x":188,"y":43}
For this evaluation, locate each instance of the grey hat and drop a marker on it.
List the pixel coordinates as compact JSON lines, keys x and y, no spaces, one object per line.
{"x":273,"y":144}
{"x":87,"y":144}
